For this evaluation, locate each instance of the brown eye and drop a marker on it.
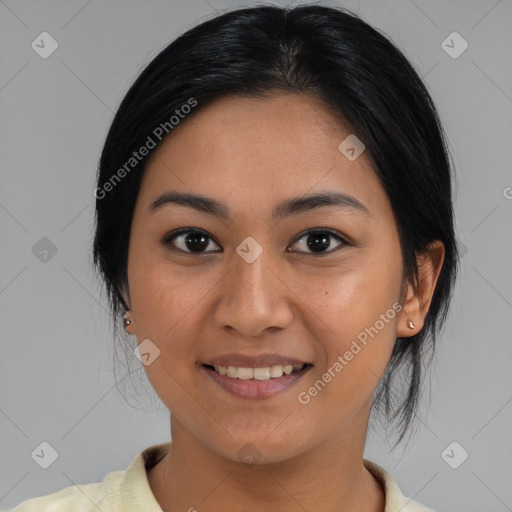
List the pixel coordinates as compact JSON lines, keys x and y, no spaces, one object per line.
{"x":188,"y":241}
{"x":195,"y":241}
{"x":320,"y":241}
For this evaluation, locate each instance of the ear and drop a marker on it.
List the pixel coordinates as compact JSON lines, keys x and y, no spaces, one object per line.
{"x":417,"y":302}
{"x":131,"y":327}
{"x":129,"y":314}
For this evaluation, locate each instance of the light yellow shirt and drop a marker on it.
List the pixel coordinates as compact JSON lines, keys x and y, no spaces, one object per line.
{"x":129,"y":491}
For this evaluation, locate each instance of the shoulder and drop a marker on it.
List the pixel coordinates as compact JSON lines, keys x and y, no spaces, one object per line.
{"x":119,"y":490}
{"x":79,"y":498}
{"x":395,"y":500}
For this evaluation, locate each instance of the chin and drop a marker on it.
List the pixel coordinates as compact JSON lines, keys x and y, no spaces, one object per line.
{"x":258,"y":447}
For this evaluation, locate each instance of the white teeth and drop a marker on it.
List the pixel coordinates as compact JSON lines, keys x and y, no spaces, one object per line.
{"x":288,"y":369}
{"x":276,"y":370}
{"x":245,"y":373}
{"x":264,"y":373}
{"x":261,"y":373}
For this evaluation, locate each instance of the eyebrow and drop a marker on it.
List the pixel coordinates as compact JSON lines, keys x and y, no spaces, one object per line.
{"x":287,"y":208}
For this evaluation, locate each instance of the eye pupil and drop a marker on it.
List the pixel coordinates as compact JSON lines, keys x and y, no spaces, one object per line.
{"x":318,"y":241}
{"x":196,"y":241}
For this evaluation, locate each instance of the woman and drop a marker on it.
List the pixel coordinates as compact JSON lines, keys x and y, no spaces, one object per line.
{"x":274,"y":223}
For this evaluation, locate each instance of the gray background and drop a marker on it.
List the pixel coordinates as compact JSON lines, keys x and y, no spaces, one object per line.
{"x":56,"y":367}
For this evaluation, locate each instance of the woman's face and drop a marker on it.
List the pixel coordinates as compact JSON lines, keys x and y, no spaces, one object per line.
{"x":258,"y":282}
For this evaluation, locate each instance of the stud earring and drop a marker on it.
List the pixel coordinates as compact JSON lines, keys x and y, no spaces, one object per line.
{"x":410,"y":324}
{"x":127,"y":320}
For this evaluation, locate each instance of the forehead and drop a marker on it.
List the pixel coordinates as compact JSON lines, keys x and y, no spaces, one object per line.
{"x":264,"y":149}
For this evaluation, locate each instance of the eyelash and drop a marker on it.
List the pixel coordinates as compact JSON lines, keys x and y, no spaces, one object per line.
{"x":170,"y":237}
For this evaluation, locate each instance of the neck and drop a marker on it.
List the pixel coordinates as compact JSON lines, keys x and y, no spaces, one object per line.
{"x":329,"y":476}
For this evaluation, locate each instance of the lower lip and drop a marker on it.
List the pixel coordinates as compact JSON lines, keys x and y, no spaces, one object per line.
{"x":255,"y":389}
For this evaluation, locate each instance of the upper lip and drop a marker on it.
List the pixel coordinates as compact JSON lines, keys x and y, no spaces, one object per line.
{"x":255,"y":361}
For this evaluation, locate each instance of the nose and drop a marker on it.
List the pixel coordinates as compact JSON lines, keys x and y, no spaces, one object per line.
{"x":254,"y":297}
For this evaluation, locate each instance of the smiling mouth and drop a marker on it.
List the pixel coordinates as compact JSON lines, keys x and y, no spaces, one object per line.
{"x":261,"y":373}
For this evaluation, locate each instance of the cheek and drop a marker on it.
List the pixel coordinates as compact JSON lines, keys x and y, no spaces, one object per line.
{"x":166,"y":304}
{"x":357,"y":310}
{"x":352,"y":297}
{"x":355,"y":351}
{"x":163,"y":294}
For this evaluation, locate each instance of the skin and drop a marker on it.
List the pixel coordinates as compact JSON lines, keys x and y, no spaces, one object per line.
{"x":252,"y":154}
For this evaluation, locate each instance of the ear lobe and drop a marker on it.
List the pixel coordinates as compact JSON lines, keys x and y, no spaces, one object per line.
{"x":128,"y":322}
{"x":417,"y":301}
